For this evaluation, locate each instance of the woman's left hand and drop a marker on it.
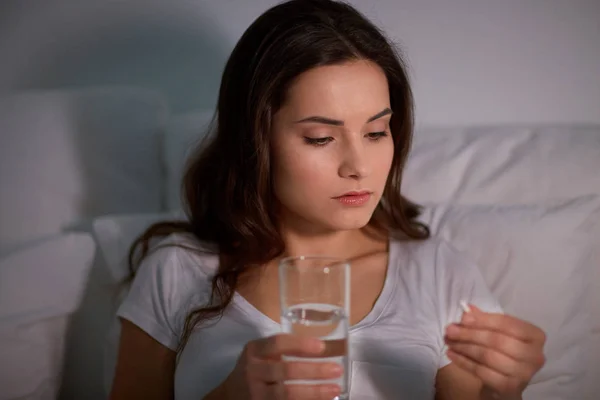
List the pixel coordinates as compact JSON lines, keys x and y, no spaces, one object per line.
{"x":502,"y":351}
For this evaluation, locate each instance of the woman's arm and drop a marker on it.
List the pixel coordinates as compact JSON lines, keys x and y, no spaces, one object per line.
{"x":145,"y":368}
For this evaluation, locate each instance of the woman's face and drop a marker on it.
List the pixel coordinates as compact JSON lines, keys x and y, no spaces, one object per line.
{"x":332,"y":148}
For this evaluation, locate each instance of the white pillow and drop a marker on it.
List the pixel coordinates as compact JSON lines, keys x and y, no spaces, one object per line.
{"x":115,"y":235}
{"x":40,"y":287}
{"x":537,"y":260}
{"x":72,"y":155}
{"x":84,"y":362}
{"x":503,"y":164}
{"x":184,"y":132}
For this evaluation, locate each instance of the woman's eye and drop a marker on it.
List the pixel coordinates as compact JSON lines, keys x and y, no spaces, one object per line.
{"x":318,"y":141}
{"x":376,"y":135}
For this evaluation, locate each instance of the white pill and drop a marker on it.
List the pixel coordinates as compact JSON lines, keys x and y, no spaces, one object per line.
{"x":465,"y":306}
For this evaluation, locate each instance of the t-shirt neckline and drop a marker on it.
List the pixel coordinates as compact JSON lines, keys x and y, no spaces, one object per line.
{"x":378,"y":308}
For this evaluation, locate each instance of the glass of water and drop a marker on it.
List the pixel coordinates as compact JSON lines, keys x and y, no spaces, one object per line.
{"x":315,"y":301}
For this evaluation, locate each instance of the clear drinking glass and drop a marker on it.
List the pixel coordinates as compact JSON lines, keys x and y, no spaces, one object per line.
{"x":315,"y":302}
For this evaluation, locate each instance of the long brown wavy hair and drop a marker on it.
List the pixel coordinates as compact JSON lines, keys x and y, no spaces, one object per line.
{"x":227,"y":189}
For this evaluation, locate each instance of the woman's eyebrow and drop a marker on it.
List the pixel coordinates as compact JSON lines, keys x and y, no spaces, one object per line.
{"x":336,"y":122}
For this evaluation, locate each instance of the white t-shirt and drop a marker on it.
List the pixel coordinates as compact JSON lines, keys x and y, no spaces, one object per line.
{"x":395,"y":351}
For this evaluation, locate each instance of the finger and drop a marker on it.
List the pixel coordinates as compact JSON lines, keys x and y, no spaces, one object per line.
{"x":494,"y":360}
{"x":274,"y":347}
{"x":326,"y":391}
{"x":270,"y":371}
{"x":506,"y":324}
{"x":489,"y":377}
{"x":507,"y":345}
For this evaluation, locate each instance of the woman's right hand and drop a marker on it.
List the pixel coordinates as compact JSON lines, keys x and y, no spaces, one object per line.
{"x":260,"y":372}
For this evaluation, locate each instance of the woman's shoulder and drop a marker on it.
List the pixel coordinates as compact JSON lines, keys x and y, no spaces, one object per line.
{"x":171,"y":281}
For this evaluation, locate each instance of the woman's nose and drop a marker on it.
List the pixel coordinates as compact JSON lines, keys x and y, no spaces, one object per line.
{"x":354,"y":162}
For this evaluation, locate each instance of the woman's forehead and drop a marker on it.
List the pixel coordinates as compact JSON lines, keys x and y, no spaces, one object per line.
{"x":338,"y":91}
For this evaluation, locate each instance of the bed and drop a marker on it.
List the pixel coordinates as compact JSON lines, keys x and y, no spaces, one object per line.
{"x":84,"y":171}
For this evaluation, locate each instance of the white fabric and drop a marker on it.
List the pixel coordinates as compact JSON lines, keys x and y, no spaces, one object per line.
{"x":184,"y":133}
{"x":115,"y":235}
{"x":88,"y":327}
{"x":503,"y":165}
{"x":45,"y":279}
{"x":40,"y":286}
{"x":32,"y":358}
{"x":538,"y":261}
{"x":84,"y":360}
{"x":402,"y":336}
{"x":66,"y":156}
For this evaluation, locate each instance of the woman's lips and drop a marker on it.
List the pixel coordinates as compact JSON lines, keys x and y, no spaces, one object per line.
{"x":355,"y":199}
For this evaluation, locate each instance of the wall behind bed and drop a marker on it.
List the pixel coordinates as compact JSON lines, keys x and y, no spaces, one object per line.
{"x":472,"y":62}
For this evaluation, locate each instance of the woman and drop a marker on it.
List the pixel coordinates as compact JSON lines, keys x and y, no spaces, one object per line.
{"x":313,"y":129}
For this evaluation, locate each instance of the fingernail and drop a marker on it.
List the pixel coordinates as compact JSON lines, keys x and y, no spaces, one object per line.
{"x":468,"y":319}
{"x":452,"y":330}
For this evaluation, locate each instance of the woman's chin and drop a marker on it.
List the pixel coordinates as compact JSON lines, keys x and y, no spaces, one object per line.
{"x":349,"y":222}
